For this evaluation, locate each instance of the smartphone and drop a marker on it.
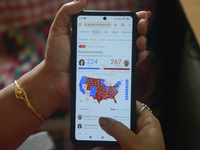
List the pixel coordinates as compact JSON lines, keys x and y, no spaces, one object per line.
{"x":104,"y":53}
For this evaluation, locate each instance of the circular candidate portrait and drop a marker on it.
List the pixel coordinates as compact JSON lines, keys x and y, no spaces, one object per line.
{"x":126,"y":63}
{"x":79,"y":117}
{"x":81,"y":62}
{"x":79,"y":126}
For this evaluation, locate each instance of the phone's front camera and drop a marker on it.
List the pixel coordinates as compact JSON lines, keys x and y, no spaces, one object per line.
{"x":104,"y":18}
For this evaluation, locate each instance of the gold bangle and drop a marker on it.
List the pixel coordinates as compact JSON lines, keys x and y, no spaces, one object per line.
{"x":21,"y":94}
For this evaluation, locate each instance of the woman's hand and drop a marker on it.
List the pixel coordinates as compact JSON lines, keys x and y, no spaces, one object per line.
{"x":57,"y":60}
{"x":141,"y":42}
{"x":48,"y":83}
{"x":149,"y":134}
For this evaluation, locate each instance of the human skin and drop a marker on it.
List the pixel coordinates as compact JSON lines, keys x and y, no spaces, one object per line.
{"x":149,"y":134}
{"x":48,"y":83}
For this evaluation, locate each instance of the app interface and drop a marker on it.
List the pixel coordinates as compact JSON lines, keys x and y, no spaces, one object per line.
{"x":103,"y":76}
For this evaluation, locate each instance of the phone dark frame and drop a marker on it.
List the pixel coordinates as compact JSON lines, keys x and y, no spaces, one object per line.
{"x":73,"y":71}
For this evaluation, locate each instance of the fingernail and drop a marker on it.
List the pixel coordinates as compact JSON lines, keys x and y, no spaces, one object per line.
{"x":76,"y":0}
{"x":148,"y":52}
{"x":104,"y":121}
{"x":149,"y":14}
{"x":146,"y":22}
{"x":146,"y":40}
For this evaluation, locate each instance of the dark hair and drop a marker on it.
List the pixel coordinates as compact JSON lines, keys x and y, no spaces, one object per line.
{"x":81,"y":60}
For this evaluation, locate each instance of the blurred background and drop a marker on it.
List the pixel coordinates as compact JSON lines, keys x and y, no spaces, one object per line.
{"x":168,"y":80}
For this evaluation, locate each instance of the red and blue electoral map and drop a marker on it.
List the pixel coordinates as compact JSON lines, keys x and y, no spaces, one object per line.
{"x":98,"y":89}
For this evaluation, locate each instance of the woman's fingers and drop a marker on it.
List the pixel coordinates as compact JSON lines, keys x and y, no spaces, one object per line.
{"x":142,"y":27}
{"x":142,"y":55}
{"x":62,"y":22}
{"x":141,"y":45}
{"x":141,"y":42}
{"x":143,"y":14}
{"x":127,"y":138}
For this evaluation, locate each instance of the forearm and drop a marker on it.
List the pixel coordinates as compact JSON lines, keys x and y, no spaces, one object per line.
{"x":17,"y":121}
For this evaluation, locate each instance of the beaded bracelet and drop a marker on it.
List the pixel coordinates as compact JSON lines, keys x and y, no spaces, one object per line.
{"x":21,"y":94}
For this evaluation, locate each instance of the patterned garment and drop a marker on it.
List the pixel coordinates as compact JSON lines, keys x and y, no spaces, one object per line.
{"x":25,"y":12}
{"x":134,"y":5}
{"x":24,"y":27}
{"x":24,"y":50}
{"x":25,"y":31}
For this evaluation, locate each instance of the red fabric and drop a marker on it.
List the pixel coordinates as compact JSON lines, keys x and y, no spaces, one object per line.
{"x":23,"y":12}
{"x":135,"y":5}
{"x":27,"y":36}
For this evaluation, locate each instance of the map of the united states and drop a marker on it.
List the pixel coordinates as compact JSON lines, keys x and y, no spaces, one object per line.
{"x":98,"y":89}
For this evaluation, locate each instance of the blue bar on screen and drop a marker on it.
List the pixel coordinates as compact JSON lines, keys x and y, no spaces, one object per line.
{"x":89,"y":68}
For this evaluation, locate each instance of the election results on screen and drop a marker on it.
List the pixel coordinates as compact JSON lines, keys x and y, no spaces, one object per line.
{"x":103,"y":74}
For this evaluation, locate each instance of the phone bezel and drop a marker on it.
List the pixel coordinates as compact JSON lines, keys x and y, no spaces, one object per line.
{"x":73,"y":71}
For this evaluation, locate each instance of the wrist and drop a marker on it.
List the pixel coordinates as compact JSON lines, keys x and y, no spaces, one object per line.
{"x":41,"y":90}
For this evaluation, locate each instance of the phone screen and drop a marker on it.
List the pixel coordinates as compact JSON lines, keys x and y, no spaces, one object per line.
{"x":104,"y":74}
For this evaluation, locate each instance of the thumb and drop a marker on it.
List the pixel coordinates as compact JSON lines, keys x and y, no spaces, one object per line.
{"x":62,"y":21}
{"x":126,"y":138}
